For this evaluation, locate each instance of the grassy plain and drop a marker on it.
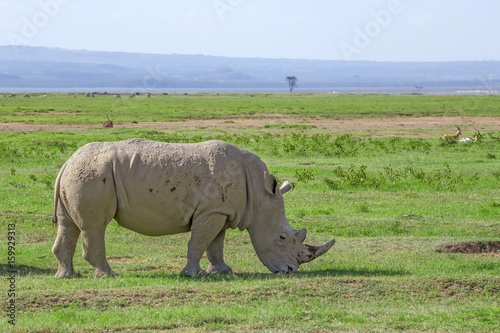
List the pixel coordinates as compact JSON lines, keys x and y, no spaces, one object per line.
{"x":391,"y":202}
{"x":64,"y":108}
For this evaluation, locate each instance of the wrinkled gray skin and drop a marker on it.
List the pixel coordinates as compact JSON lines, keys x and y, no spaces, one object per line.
{"x":159,"y":189}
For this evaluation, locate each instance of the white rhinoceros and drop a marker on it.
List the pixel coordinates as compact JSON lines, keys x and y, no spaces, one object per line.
{"x":157,"y":188}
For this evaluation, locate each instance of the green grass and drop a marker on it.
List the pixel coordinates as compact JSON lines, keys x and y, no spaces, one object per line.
{"x":65,"y":109}
{"x":391,"y":204}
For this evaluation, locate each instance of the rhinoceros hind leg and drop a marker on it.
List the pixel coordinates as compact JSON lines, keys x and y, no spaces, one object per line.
{"x":64,"y":247}
{"x":215,"y":254}
{"x":94,"y":252}
{"x":203,"y":231}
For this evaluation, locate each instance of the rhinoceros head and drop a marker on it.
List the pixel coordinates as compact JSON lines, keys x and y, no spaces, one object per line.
{"x":280,"y":248}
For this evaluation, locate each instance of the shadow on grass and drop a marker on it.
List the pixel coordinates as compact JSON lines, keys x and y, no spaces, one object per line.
{"x":257,"y":276}
{"x":322,"y":273}
{"x":23,"y":270}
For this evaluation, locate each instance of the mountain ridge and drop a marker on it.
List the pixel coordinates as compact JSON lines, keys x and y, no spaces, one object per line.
{"x":43,"y":67}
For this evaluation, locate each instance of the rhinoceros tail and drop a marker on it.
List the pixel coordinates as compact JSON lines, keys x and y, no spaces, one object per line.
{"x":57,"y":197}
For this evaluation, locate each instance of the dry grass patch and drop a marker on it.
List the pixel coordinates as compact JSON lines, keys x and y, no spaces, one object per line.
{"x":484,"y":249}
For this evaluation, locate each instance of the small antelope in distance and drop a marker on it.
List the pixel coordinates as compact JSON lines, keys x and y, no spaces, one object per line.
{"x":469,"y":139}
{"x":109,"y":123}
{"x":452,"y":136}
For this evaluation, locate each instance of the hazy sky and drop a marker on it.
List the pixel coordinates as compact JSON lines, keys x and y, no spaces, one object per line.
{"x":381,"y":30}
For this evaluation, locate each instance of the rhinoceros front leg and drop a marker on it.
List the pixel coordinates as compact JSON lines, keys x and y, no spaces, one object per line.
{"x":215,"y":254}
{"x":203,"y":231}
{"x":64,"y":247}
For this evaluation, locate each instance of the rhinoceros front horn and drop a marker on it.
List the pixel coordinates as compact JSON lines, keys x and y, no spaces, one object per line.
{"x":310,"y":252}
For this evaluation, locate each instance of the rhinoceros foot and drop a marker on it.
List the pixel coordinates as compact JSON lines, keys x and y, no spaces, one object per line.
{"x":193,"y":270}
{"x":105,"y":274}
{"x":220,"y":269}
{"x":67,"y":274}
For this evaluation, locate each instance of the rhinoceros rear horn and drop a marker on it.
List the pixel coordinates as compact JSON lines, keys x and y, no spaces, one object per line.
{"x":301,"y":235}
{"x":286,"y":186}
{"x":310,"y":252}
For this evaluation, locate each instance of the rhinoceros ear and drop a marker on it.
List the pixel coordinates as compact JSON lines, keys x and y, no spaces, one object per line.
{"x":271,"y":183}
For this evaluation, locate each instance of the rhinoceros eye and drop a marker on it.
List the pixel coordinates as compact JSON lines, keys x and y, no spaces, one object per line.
{"x":282,"y":239}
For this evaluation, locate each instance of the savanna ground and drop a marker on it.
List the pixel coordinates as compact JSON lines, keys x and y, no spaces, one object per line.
{"x":416,"y":218}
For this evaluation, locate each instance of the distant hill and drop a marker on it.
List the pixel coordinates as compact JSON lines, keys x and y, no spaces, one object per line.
{"x":41,"y":67}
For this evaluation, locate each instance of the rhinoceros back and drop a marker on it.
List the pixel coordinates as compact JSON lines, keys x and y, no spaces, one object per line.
{"x":160,"y":187}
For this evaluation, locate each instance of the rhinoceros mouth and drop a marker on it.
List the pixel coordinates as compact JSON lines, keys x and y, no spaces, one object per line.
{"x":288,"y":269}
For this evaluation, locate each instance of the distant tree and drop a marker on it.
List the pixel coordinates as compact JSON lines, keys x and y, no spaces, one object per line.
{"x":292,"y":82}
